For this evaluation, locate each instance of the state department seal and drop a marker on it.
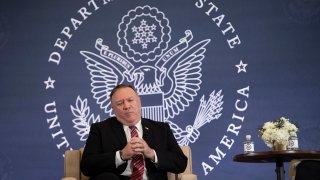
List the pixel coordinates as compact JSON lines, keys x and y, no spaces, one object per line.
{"x":173,"y":70}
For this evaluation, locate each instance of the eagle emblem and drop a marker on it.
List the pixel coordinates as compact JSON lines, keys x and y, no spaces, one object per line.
{"x":167,"y":78}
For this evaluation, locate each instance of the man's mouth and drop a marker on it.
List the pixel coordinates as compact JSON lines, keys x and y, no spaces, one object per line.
{"x":128,"y":112}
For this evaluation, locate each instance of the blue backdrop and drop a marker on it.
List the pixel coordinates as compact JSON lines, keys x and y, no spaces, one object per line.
{"x":214,"y":70}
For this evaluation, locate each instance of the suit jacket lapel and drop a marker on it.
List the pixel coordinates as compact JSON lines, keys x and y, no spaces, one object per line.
{"x":119,"y":132}
{"x":147,"y":131}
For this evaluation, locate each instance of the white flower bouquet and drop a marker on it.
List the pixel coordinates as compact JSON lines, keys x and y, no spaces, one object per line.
{"x":277,"y":131}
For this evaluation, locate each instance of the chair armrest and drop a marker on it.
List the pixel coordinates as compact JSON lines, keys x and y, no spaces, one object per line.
{"x":68,"y":178}
{"x":188,"y":177}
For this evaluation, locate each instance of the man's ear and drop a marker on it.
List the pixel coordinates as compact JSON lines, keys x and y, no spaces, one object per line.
{"x":139,"y":99}
{"x":112,"y":111}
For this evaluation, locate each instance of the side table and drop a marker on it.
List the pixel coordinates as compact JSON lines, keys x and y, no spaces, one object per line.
{"x":278,"y":157}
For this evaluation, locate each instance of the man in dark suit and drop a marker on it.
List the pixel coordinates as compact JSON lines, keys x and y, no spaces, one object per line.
{"x":110,"y":149}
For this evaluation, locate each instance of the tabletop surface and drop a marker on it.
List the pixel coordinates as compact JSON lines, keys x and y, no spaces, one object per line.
{"x":273,"y":156}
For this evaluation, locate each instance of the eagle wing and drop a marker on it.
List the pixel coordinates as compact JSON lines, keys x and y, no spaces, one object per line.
{"x":104,"y":77}
{"x":184,"y":76}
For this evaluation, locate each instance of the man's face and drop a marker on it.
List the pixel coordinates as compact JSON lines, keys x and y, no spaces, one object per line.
{"x":126,"y":106}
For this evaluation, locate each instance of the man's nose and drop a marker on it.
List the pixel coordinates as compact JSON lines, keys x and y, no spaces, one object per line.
{"x":126,"y":105}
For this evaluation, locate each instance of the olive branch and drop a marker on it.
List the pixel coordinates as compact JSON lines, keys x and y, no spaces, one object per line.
{"x":83,"y":119}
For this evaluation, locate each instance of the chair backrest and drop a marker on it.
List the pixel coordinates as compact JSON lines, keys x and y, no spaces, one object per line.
{"x":73,"y":157}
{"x":72,"y":164}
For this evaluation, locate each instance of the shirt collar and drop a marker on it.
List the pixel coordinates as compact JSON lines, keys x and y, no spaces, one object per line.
{"x":138,"y":126}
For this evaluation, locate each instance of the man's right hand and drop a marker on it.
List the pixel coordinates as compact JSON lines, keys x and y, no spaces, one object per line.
{"x":128,"y":151}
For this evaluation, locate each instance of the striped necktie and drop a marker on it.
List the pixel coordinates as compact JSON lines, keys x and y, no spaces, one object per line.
{"x":137,"y":161}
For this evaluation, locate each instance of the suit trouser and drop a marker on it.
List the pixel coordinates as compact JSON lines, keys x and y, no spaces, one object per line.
{"x":109,"y":176}
{"x":308,"y":170}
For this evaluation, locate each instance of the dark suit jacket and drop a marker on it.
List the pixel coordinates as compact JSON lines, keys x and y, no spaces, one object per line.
{"x":107,"y":137}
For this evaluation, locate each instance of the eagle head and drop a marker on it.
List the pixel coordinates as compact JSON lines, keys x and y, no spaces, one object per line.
{"x":145,"y":79}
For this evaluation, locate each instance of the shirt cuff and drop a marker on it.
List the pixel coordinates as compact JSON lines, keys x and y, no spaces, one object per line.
{"x":155,"y":157}
{"x":119,"y":161}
